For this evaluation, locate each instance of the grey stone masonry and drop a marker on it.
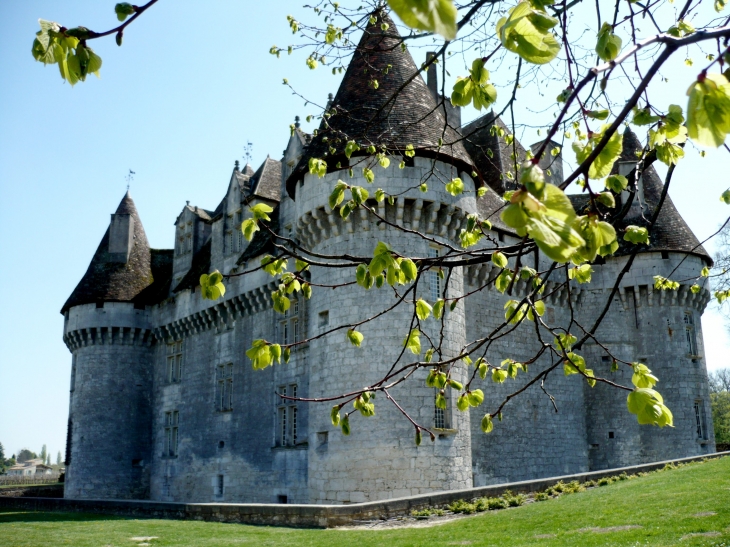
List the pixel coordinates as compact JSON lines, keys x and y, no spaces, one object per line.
{"x":165,"y":405}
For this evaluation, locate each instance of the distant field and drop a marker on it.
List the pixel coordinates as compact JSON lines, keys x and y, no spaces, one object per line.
{"x":685,"y":507}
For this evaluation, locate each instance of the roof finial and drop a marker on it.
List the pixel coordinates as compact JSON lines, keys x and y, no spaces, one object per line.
{"x":296,"y":121}
{"x":248,"y":152}
{"x":236,"y":165}
{"x":330,"y":96}
{"x":129,"y":178}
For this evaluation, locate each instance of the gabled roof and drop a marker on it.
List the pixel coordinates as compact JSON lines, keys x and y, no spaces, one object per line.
{"x":200,"y":266}
{"x":671,"y":232}
{"x":372,"y":116}
{"x":261,"y":242}
{"x":491,"y":153}
{"x":107,"y":281}
{"x":266,"y":182}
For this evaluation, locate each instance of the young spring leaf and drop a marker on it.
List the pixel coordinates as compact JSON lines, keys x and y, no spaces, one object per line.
{"x":211,"y":286}
{"x":636,"y":235}
{"x":603,"y":164}
{"x":475,"y":397}
{"x":124,"y":9}
{"x":438,"y":308}
{"x":437,"y":16}
{"x":708,"y":110}
{"x":487,"y":424}
{"x":261,"y":211}
{"x":413,"y":341}
{"x":335,"y":415}
{"x":423,"y":309}
{"x":317,"y":167}
{"x":609,"y":44}
{"x":455,"y":187}
{"x":355,"y":337}
{"x":649,"y":407}
{"x":526,"y":32}
{"x":499,"y":260}
{"x":617,"y":183}
{"x":642,"y":376}
{"x":345,"y":424}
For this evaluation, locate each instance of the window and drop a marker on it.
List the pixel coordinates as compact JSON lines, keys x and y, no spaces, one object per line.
{"x":174,"y":361}
{"x":295,"y":329}
{"x":284,"y":331}
{"x":433,"y":277}
{"x":324,"y":318}
{"x":289,"y":327}
{"x":441,"y":416}
{"x":689,"y":327}
{"x":237,"y":227}
{"x":219,"y":490}
{"x":189,"y":243}
{"x":700,"y":419}
{"x":171,"y":435}
{"x":224,"y":388}
{"x":287,"y":423}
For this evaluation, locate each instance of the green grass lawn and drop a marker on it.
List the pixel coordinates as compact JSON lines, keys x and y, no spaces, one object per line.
{"x":689,"y":506}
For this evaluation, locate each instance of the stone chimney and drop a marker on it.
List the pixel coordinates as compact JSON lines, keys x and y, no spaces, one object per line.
{"x":121,"y":237}
{"x":549,"y":162}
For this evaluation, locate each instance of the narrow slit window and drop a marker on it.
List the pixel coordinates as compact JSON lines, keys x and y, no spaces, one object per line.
{"x":691,"y":337}
{"x":174,"y":361}
{"x":171,"y":433}
{"x":700,"y":419}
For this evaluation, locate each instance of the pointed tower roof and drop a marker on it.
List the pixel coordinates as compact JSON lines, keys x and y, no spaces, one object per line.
{"x":373,"y":116}
{"x":671,"y":232}
{"x":266,"y":181}
{"x":109,"y":280}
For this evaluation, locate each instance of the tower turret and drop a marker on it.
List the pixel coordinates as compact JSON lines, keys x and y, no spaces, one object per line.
{"x":107,"y":330}
{"x":341,"y":469}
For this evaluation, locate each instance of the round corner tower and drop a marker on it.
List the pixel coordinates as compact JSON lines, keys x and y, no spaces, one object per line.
{"x":107,"y":330}
{"x":380,"y":459}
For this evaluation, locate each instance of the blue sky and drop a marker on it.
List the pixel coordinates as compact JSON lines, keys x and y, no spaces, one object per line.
{"x":176,"y":104}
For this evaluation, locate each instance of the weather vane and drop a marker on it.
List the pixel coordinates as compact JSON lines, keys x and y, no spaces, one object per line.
{"x":129,"y":178}
{"x":248,"y":152}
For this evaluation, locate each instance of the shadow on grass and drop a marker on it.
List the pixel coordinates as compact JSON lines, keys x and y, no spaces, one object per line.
{"x":8,"y":516}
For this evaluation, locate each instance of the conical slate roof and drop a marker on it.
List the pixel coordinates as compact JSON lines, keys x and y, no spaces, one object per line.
{"x":372,"y":116}
{"x":670,"y":233}
{"x":109,"y":281}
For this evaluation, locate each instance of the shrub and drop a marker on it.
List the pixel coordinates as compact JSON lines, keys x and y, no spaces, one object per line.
{"x":542,"y":496}
{"x":497,"y":503}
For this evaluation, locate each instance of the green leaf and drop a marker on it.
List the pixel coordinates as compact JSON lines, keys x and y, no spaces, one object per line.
{"x":643,"y":116}
{"x":475,"y":397}
{"x":350,"y":148}
{"x":695,"y":289}
{"x":317,"y":167}
{"x":502,"y":281}
{"x":438,"y":308}
{"x":211,"y":286}
{"x":368,"y":174}
{"x":428,"y":356}
{"x":355,"y":337}
{"x":582,"y":274}
{"x":708,"y":110}
{"x":636,"y":235}
{"x":335,"y":415}
{"x":649,"y":407}
{"x":526,"y":31}
{"x":482,"y":191}
{"x":260,"y":211}
{"x":499,"y":375}
{"x":499,"y":260}
{"x":409,"y":269}
{"x":725,"y":197}
{"x":345,"y":424}
{"x":609,"y":45}
{"x":462,"y":403}
{"x":705,"y":272}
{"x":437,"y":16}
{"x":663,"y":284}
{"x":642,"y":376}
{"x":617,"y":183}
{"x":423,"y":309}
{"x":603,"y":164}
{"x":487,"y":424}
{"x":123,"y":10}
{"x":419,"y":437}
{"x":413,"y":341}
{"x":455,"y":187}
{"x":338,"y":194}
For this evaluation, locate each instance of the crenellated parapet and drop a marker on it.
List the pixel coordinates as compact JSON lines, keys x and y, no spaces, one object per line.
{"x":220,"y":316}
{"x":110,"y":336}
{"x":427,"y":217}
{"x":647,"y":295}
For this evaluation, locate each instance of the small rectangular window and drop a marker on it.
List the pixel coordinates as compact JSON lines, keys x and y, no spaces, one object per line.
{"x":224,"y":387}
{"x":220,"y":485}
{"x":691,"y":337}
{"x":287,"y":417}
{"x":324,"y":318}
{"x":700,"y":419}
{"x":295,"y":325}
{"x":174,"y":361}
{"x":441,"y":417}
{"x":433,"y":276}
{"x":171,"y":433}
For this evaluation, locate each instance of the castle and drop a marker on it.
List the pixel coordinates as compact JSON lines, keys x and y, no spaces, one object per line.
{"x":165,"y":405}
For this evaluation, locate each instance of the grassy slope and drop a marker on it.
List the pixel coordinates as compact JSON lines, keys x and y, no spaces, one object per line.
{"x":664,"y":505}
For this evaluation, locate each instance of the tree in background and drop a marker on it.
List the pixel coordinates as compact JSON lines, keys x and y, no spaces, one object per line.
{"x":720,"y":400}
{"x":25,"y":454}
{"x":607,"y":59}
{"x":3,"y":465}
{"x":44,"y":453}
{"x":59,"y":461}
